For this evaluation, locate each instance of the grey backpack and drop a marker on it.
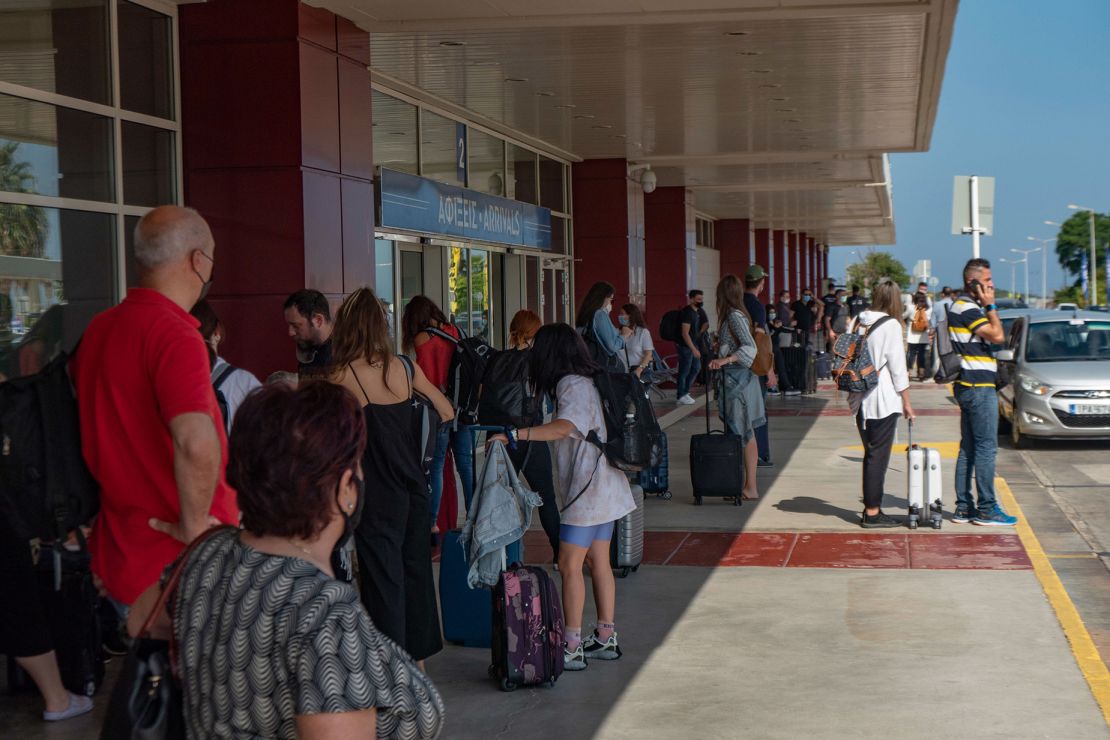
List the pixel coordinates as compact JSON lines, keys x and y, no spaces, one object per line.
{"x":853,"y":368}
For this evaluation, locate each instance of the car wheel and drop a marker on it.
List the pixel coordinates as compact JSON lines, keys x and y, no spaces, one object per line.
{"x":1021,"y":441}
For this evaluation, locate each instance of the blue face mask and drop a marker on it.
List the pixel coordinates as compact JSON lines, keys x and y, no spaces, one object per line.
{"x":771,"y":316}
{"x":623,"y":320}
{"x":807,"y":298}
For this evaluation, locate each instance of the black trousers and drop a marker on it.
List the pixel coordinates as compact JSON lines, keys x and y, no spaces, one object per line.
{"x":877,"y":436}
{"x":24,"y":628}
{"x":917,"y":351}
{"x":535,"y":457}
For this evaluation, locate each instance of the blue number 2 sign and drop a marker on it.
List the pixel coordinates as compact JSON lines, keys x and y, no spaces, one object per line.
{"x":460,"y":152}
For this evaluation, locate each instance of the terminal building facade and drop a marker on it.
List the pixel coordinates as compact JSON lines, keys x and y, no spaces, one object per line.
{"x":494,"y":156}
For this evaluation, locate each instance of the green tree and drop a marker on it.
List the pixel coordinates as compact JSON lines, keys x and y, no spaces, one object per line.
{"x":22,"y":228}
{"x":1071,"y":294}
{"x":1074,"y":241}
{"x":875,"y":267}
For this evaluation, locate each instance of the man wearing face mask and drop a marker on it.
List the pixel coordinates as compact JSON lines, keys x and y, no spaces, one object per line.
{"x":838,"y":317}
{"x":689,"y":349}
{"x":308,"y":316}
{"x":805,"y":316}
{"x":151,"y":431}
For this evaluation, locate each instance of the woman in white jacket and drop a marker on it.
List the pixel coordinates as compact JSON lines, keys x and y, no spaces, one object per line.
{"x":877,"y":411}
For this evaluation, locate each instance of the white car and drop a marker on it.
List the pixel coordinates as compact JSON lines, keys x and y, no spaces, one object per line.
{"x":1067,"y":307}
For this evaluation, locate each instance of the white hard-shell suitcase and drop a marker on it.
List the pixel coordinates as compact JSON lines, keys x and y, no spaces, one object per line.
{"x":923,"y":486}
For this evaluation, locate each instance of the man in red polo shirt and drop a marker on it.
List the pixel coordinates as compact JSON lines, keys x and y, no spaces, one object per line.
{"x":150,"y":427}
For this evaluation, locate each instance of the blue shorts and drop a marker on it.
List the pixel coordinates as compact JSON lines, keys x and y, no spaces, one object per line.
{"x":585,"y":536}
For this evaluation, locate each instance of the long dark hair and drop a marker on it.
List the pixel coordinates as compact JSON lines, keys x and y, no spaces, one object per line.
{"x":418,"y":316}
{"x":592,"y":303}
{"x":558,"y":351}
{"x":635,"y":316}
{"x":730,"y":295}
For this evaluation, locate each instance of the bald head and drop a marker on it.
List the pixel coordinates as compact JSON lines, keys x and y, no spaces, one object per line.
{"x":168,"y":235}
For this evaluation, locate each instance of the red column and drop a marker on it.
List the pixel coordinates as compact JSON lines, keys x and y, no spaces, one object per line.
{"x":763,"y":258}
{"x":277,"y":157}
{"x":778,"y":259}
{"x":795,"y":252}
{"x":803,"y":261}
{"x":734,"y":238}
{"x":811,"y":261}
{"x":669,"y":248}
{"x":608,"y":229}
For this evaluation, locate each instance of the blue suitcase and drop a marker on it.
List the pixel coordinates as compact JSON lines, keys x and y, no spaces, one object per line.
{"x":467,"y":613}
{"x":657,"y":480}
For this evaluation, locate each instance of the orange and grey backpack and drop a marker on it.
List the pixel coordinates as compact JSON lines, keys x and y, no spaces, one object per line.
{"x":853,"y":368}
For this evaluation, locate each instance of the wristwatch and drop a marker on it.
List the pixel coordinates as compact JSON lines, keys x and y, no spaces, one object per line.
{"x":991,"y":307}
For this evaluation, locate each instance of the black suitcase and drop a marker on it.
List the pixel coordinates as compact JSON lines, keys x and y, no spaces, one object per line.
{"x":716,"y":463}
{"x":794,"y":358}
{"x":72,"y":606}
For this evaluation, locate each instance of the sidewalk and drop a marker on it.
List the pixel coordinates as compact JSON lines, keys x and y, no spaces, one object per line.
{"x":782,"y":619}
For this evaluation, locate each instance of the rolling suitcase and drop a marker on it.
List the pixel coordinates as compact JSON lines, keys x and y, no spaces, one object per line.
{"x":626,"y":549}
{"x":466,"y":611}
{"x":923,"y":489}
{"x":811,"y":373}
{"x":794,"y":359}
{"x":657,"y":480}
{"x":824,"y":366}
{"x":526,"y":639}
{"x":716,"y":463}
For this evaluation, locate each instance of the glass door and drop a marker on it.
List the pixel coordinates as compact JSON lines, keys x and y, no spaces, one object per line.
{"x":410,"y":280}
{"x":385,"y":280}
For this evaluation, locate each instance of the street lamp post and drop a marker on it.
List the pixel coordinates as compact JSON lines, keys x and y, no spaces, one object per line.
{"x":1025,"y":254}
{"x":1013,"y":273}
{"x":1093,"y":271}
{"x":1044,"y":266}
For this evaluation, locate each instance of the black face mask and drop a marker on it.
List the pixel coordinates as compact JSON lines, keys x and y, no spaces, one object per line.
{"x":350,"y":521}
{"x":205,"y":285}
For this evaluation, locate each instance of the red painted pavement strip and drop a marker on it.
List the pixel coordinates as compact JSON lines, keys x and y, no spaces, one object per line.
{"x":728,"y":549}
{"x":857,"y":550}
{"x":969,"y":552}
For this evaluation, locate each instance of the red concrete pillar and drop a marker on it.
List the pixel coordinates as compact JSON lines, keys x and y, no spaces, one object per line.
{"x":608,"y":229}
{"x":811,"y":261}
{"x":278,"y":157}
{"x":778,"y":262}
{"x":803,"y":261}
{"x":763,"y":259}
{"x":794,"y":282}
{"x":669,"y":245}
{"x":734,"y":239}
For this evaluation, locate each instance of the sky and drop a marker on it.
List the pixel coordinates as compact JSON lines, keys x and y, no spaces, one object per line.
{"x":1025,"y":99}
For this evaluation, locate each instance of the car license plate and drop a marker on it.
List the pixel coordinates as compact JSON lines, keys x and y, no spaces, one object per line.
{"x":1087,"y":409}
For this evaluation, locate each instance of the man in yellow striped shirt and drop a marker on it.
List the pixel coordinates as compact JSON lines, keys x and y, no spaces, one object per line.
{"x":973,"y":325}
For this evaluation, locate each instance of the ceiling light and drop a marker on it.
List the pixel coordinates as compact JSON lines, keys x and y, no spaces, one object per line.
{"x":770,"y":85}
{"x":779,"y":100}
{"x":793,"y":120}
{"x":566,"y":106}
{"x":485,"y":63}
{"x":516,"y":79}
{"x":584,"y":116}
{"x":545,"y":94}
{"x":761,"y":71}
{"x":748,"y":53}
{"x":736,"y":33}
{"x":786,"y":110}
{"x":602,"y":125}
{"x":619,"y":136}
{"x":452,"y":43}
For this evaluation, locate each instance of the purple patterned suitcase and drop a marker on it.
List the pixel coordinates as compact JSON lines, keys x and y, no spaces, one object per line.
{"x":527,"y":639}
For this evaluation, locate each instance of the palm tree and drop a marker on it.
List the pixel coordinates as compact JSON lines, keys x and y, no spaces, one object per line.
{"x":22,"y":228}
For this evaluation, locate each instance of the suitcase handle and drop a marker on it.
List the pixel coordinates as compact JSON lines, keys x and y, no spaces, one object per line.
{"x":910,"y":444}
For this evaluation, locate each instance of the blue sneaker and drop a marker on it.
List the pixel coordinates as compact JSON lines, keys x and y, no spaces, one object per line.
{"x":996,"y":518}
{"x":963,"y":516}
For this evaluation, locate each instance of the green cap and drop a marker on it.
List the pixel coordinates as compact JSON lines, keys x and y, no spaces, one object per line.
{"x":755,"y":272}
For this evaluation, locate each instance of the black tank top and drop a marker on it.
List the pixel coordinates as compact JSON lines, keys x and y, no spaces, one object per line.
{"x":392,"y":457}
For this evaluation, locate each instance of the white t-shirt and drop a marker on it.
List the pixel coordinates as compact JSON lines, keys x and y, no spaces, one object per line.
{"x":236,"y":387}
{"x":580,"y":465}
{"x":637,"y":345}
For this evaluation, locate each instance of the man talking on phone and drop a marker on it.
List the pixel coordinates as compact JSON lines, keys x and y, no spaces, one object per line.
{"x":973,"y":325}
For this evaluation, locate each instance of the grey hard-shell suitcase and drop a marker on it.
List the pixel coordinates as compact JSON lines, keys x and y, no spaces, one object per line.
{"x":626,"y":549}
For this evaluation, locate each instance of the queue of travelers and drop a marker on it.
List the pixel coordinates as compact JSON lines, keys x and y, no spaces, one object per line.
{"x":308,"y":534}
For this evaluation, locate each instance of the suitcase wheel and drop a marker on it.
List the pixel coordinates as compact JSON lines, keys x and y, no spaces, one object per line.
{"x":635,"y":568}
{"x":507,"y":685}
{"x":697,"y":500}
{"x":912,"y":523}
{"x":550,"y":684}
{"x":623,"y":572}
{"x":666,"y":495}
{"x":937,"y":521}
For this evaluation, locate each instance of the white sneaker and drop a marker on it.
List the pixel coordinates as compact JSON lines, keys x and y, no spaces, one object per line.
{"x":686,"y":400}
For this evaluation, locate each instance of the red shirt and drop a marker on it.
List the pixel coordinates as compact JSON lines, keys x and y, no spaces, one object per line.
{"x":434,"y":356}
{"x":139,"y":365}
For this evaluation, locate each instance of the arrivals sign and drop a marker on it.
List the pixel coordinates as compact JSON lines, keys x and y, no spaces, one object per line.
{"x":418,"y":204}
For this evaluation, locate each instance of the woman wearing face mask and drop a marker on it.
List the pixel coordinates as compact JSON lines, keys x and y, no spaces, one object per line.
{"x":263,"y":602}
{"x":639,"y":350}
{"x":394,"y":551}
{"x":234,"y":383}
{"x":593,"y":323}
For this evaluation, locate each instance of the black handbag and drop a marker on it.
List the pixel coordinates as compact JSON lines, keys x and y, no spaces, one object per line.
{"x":147,"y":703}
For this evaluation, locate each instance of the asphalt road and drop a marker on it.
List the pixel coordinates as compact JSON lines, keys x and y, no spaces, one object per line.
{"x":1064,"y":491}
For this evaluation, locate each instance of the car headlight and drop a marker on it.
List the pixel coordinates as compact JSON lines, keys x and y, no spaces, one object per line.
{"x":1032,"y":385}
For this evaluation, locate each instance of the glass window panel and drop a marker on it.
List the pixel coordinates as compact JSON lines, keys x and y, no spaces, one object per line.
{"x":487,"y":163}
{"x":558,"y":235}
{"x":145,"y":60}
{"x":148,"y":165}
{"x":459,"y":298}
{"x":549,"y":303}
{"x":131,"y":266}
{"x":553,"y":192}
{"x":522,"y":174}
{"x":59,"y":47}
{"x":412,"y":277}
{"x":394,"y":123}
{"x":51,"y":150}
{"x":480,"y":300}
{"x":57,"y":269}
{"x":531,"y":297}
{"x":438,"y":144}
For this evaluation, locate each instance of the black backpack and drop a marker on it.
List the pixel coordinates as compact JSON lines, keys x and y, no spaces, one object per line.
{"x":425,"y":419}
{"x":634,"y":440}
{"x":221,"y":399}
{"x":948,"y":359}
{"x":670,"y":326}
{"x":506,"y":398}
{"x":464,"y":375}
{"x":46,"y":490}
